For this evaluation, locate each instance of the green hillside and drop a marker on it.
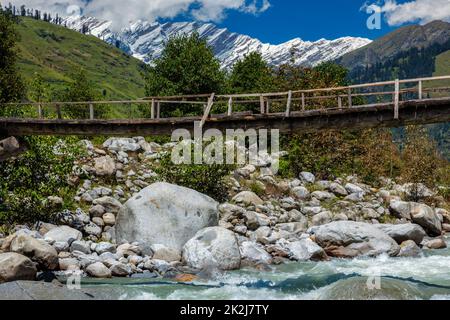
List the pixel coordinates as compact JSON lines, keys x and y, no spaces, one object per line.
{"x":441,"y":132}
{"x":57,"y":52}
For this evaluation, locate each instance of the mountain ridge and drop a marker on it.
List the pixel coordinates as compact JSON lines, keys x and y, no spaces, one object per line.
{"x":400,"y":40}
{"x":144,"y":40}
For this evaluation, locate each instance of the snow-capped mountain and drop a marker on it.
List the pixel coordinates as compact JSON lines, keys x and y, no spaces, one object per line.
{"x":144,"y":40}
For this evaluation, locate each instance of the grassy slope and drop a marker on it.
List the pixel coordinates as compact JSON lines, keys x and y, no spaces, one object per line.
{"x":56,"y":52}
{"x":441,"y":132}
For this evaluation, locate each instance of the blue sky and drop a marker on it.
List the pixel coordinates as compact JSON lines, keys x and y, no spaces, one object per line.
{"x":309,"y":20}
{"x":273,"y":21}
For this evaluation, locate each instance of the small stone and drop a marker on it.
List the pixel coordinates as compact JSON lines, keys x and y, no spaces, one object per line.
{"x":323,"y":195}
{"x":69,"y":264}
{"x":321,"y":218}
{"x":248,"y":198}
{"x":93,"y":230}
{"x":98,"y":221}
{"x":109,"y":219}
{"x":435,"y":244}
{"x":104,"y":166}
{"x":301,"y":193}
{"x":96,"y":211}
{"x":120,"y":270}
{"x":409,"y":249}
{"x":63,"y":234}
{"x":105,"y":247}
{"x":337,"y":189}
{"x":81,"y":246}
{"x":61,"y":246}
{"x":98,"y":270}
{"x":161,"y":252}
{"x":307,"y":177}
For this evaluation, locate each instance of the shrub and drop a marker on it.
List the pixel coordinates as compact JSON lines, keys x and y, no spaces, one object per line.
{"x":207,"y":179}
{"x":33,"y":176}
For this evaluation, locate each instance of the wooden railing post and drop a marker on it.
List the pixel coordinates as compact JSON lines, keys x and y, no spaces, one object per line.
{"x":91,"y":111}
{"x":152,"y":110}
{"x":158,"y":110}
{"x":288,"y":106}
{"x":230,"y":106}
{"x":303,"y":102}
{"x":268,"y":106}
{"x":396,"y":99}
{"x":58,"y":111}
{"x":350,"y":102}
{"x":40,"y":111}
{"x":208,"y":110}
{"x":420,"y":89}
{"x":339,"y":102}
{"x":262,"y":106}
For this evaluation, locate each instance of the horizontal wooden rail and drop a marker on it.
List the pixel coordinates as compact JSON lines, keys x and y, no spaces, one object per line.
{"x":343,"y":97}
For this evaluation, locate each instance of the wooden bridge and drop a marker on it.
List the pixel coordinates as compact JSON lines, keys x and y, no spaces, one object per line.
{"x":398,"y":103}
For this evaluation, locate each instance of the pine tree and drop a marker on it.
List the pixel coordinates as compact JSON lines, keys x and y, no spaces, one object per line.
{"x":11,"y":85}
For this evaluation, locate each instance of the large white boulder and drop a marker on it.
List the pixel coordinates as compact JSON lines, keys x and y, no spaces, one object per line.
{"x":165,"y":214}
{"x":213,"y":247}
{"x":351,"y":239}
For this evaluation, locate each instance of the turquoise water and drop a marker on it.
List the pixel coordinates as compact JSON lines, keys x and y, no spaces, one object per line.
{"x":425,"y":277}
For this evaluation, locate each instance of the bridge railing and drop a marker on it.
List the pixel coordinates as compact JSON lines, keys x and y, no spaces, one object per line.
{"x":229,"y":105}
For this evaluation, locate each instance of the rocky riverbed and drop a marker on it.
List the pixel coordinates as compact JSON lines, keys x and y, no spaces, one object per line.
{"x":129,"y":226}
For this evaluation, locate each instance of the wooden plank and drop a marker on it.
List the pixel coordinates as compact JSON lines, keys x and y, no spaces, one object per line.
{"x":58,"y":111}
{"x":350,"y":103}
{"x":158,"y":110}
{"x":340,"y":102}
{"x":91,"y":111}
{"x":303,"y":102}
{"x":268,"y":106}
{"x":396,"y":99}
{"x":230,"y":106}
{"x":152,"y":109}
{"x":288,"y":106}
{"x":262,"y":104}
{"x":420,"y":89}
{"x":208,"y":110}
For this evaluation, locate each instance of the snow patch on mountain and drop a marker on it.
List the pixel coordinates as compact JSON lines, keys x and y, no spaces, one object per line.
{"x":145,"y":41}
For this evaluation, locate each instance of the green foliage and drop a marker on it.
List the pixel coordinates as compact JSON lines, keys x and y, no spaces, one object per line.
{"x":39,"y":90}
{"x":251,"y":75}
{"x":207,"y":179}
{"x":80,"y":90}
{"x":11,"y":85}
{"x":33,"y":176}
{"x":187,"y":66}
{"x":257,"y":188}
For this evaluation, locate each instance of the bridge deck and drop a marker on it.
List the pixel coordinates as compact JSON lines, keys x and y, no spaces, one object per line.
{"x":424,"y":111}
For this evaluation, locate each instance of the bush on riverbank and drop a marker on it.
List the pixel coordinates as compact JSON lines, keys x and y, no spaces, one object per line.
{"x":207,"y":179}
{"x":29,"y":179}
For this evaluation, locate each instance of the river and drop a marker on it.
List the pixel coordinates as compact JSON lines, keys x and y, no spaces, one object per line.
{"x":424,"y":277}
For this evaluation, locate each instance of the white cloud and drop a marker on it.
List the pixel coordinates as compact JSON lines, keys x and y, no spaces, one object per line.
{"x":121,"y":12}
{"x":422,"y":11}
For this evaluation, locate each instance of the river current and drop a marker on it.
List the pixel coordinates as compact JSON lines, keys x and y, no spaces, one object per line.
{"x":424,"y":277}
